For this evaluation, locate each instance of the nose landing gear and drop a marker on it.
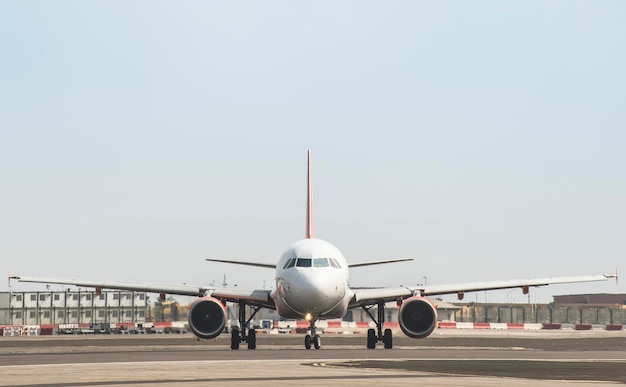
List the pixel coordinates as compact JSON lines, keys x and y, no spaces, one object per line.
{"x":313,"y":339}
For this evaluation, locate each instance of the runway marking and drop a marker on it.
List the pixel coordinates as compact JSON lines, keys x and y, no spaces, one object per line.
{"x":318,"y":362}
{"x":252,"y":379}
{"x":538,"y":369}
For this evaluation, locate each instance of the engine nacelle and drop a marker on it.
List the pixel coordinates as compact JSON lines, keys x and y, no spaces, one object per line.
{"x":417,"y":317}
{"x":207,"y":317}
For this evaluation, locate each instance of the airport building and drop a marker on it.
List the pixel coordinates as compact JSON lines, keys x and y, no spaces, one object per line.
{"x":595,"y":299}
{"x":116,"y":307}
{"x":72,"y":307}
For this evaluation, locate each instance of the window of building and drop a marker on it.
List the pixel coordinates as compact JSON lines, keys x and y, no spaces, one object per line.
{"x":142,"y":296}
{"x":102,"y":296}
{"x":61,"y":314}
{"x":46,"y":314}
{"x":114,"y":313}
{"x":32,"y":314}
{"x":88,"y":313}
{"x":142,"y":314}
{"x":128,"y":314}
{"x":57,"y":297}
{"x":74,"y":314}
{"x":75,"y":296}
{"x":116,"y":296}
{"x":18,"y":297}
{"x":88,"y":297}
{"x":42,"y":297}
{"x":33,"y":297}
{"x":101,"y":314}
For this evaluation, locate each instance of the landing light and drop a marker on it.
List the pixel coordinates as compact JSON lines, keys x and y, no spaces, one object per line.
{"x":307,"y":317}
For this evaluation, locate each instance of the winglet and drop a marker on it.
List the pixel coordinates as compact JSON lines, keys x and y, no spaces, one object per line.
{"x":616,"y":276}
{"x":309,"y":199}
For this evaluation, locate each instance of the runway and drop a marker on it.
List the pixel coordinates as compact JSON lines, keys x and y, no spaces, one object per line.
{"x":479,"y":358}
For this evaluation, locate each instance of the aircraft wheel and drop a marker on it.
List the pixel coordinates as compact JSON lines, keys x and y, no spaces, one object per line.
{"x":388,"y":339}
{"x":251,"y":339}
{"x":371,"y":339}
{"x":307,"y":342}
{"x":234,"y":339}
{"x":317,"y":342}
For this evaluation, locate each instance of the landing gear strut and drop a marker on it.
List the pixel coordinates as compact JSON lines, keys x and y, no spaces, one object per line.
{"x":375,"y":335}
{"x":313,"y":338}
{"x":238,"y":335}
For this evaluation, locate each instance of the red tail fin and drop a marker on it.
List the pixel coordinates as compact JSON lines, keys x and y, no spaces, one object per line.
{"x":309,"y":199}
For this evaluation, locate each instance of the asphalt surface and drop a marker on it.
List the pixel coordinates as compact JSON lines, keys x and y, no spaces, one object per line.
{"x":456,"y":357}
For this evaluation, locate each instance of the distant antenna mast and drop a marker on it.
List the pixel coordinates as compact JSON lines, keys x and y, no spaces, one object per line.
{"x":309,"y":199}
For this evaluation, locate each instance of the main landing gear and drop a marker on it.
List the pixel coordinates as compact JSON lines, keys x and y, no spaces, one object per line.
{"x":238,"y":335}
{"x":313,"y":338}
{"x":375,"y":335}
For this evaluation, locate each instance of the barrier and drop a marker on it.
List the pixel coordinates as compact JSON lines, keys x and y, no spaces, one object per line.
{"x":327,"y":327}
{"x":523,"y":326}
{"x":21,"y":330}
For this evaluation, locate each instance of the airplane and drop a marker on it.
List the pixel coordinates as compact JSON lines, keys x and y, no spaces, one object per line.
{"x":312,"y":283}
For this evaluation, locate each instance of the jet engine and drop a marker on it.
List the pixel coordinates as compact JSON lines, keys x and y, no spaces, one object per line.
{"x":207,"y":317}
{"x":417,"y":317}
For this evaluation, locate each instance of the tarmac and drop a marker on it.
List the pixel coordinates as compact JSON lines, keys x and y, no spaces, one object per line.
{"x":446,"y":358}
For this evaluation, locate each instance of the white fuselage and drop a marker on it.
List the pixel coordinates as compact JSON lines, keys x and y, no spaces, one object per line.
{"x":312,"y":279}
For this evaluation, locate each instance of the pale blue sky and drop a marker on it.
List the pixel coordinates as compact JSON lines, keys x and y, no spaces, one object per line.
{"x":484,"y":139}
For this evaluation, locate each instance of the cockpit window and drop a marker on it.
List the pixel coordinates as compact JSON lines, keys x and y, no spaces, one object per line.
{"x":290,"y":263}
{"x":312,"y":262}
{"x":320,"y":262}
{"x":304,"y":262}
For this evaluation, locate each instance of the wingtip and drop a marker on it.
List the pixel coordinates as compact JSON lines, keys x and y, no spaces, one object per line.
{"x":616,"y":276}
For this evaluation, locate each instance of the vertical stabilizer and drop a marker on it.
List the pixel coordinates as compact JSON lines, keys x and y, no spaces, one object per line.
{"x":309,"y":199}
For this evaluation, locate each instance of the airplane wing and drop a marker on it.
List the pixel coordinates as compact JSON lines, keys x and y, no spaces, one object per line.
{"x":258,"y":296}
{"x":434,"y":290}
{"x":183,"y":290}
{"x":373,"y":295}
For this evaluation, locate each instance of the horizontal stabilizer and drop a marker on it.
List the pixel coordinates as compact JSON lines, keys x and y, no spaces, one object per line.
{"x":370,"y":263}
{"x":257,"y":264}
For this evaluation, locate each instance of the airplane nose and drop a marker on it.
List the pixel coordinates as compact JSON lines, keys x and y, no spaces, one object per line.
{"x":314,"y":293}
{"x":312,"y":285}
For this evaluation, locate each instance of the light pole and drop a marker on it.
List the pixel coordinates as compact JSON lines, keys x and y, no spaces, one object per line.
{"x":425,"y":280}
{"x":508,"y":294}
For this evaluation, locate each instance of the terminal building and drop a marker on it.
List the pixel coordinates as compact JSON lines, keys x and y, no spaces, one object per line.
{"x":73,"y":307}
